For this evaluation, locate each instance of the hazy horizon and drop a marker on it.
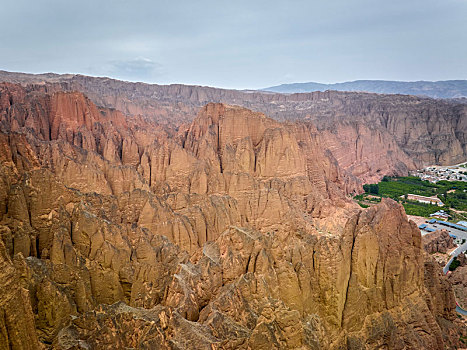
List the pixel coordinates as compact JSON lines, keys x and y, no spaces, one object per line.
{"x":220,"y":87}
{"x":239,"y":45}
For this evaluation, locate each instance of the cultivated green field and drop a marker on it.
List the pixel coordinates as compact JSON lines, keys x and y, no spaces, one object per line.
{"x":452,"y":193}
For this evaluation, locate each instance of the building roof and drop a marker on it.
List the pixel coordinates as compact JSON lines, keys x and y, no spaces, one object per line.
{"x":449,"y":224}
{"x":419,"y":197}
{"x":433,"y":198}
{"x":443,"y":215}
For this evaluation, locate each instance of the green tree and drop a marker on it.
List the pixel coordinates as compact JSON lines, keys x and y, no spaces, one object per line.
{"x":454,"y":265}
{"x":374,"y":188}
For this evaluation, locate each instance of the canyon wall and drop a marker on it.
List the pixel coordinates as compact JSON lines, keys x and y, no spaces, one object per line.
{"x":231,"y":231}
{"x":407,"y":132}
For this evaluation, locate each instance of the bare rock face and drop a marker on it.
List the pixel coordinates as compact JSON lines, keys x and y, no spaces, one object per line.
{"x":462,"y":259}
{"x":252,"y":168}
{"x":121,"y":326}
{"x":437,"y":242}
{"x":253,"y":290}
{"x":406,"y":131}
{"x":17,"y":328}
{"x":458,"y":278}
{"x":231,"y":232}
{"x":459,"y":282}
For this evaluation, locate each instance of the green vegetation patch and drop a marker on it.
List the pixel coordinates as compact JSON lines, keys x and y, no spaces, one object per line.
{"x":397,"y":187}
{"x":419,"y":209}
{"x":454,"y":265}
{"x":452,"y":193}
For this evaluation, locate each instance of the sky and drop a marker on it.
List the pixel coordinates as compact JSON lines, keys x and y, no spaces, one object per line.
{"x":237,"y":44}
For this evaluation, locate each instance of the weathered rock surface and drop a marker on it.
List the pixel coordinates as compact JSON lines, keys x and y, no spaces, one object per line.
{"x":17,"y":328}
{"x":458,"y":279}
{"x":437,"y":242}
{"x":406,"y":131}
{"x":462,"y":259}
{"x":253,"y":290}
{"x":231,"y":232}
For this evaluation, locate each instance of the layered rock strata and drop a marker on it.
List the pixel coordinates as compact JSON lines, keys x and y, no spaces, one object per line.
{"x":231,"y":232}
{"x":458,"y":279}
{"x":408,"y":132}
{"x":438,"y":242}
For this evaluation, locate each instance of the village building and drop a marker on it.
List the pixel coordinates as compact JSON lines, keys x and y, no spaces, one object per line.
{"x":427,"y":200}
{"x":440,"y":214}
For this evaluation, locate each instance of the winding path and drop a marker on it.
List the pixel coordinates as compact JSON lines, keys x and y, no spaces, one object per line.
{"x":456,"y":252}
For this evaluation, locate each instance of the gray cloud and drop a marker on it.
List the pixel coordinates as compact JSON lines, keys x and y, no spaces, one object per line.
{"x":242,"y":44}
{"x":136,"y":69}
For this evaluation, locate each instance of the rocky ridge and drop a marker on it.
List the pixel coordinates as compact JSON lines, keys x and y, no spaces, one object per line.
{"x":233,"y":231}
{"x":436,"y":89}
{"x":410,"y":132}
{"x":438,"y":241}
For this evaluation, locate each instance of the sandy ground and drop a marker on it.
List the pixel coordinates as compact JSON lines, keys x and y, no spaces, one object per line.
{"x":417,"y":219}
{"x":441,"y":258}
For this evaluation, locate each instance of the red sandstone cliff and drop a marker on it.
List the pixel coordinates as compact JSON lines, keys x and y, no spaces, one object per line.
{"x":408,"y":131}
{"x":231,"y":232}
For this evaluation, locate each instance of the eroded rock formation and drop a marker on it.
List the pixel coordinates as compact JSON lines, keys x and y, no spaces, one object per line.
{"x":405,"y":132}
{"x":233,"y":231}
{"x":438,"y":242}
{"x":458,"y":279}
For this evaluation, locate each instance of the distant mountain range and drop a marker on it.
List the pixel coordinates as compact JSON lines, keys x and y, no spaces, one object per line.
{"x":435,"y":89}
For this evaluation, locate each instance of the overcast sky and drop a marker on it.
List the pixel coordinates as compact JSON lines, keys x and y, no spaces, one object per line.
{"x":237,"y":44}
